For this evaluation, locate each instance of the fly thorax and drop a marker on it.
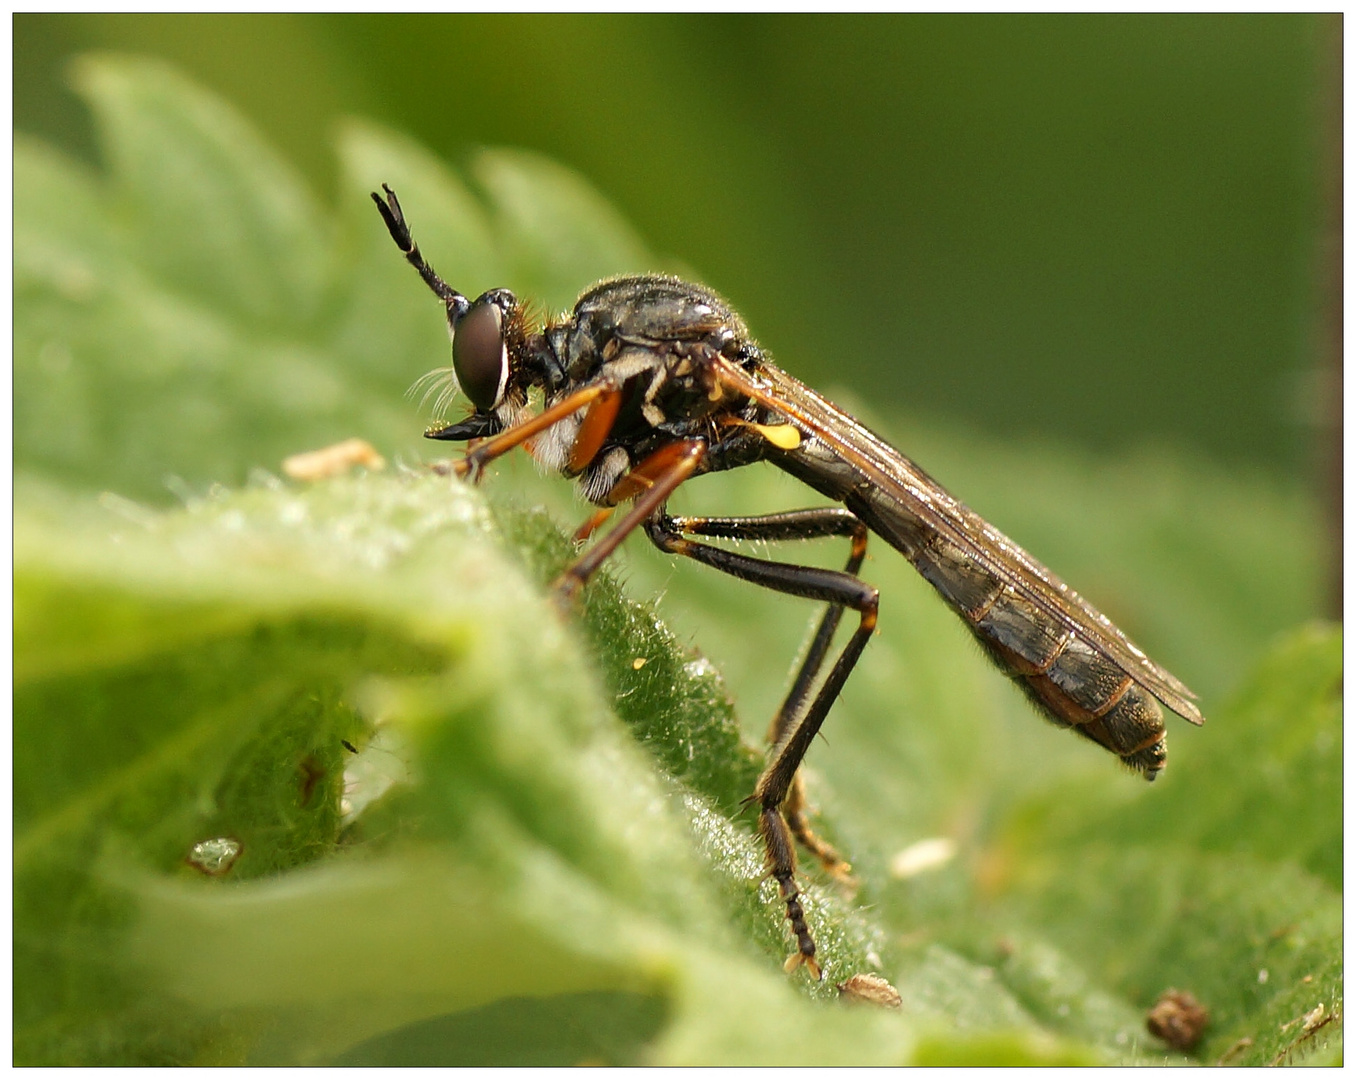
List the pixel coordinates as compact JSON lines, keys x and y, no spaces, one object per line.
{"x":632,"y":361}
{"x":640,"y":372}
{"x":682,"y":390}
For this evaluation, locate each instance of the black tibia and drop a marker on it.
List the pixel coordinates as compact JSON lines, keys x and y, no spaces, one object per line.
{"x":400,"y":233}
{"x":796,"y":525}
{"x":777,"y":792}
{"x":793,"y":525}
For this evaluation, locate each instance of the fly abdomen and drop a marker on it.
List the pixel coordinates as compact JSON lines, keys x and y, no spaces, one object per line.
{"x":1092,"y":694}
{"x":1133,"y":728}
{"x":967,"y":586}
{"x":1029,"y":640}
{"x":1074,"y":683}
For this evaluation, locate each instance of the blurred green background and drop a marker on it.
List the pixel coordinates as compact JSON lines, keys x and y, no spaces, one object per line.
{"x":1103,"y":229}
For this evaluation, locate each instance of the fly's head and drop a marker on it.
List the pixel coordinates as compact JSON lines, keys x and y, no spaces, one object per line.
{"x":496,"y":361}
{"x":645,"y":348}
{"x":496,"y":358}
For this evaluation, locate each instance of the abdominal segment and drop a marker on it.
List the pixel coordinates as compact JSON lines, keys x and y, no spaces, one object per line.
{"x":1072,"y":681}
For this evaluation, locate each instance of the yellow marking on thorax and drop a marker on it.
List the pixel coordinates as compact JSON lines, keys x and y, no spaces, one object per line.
{"x":782,"y":436}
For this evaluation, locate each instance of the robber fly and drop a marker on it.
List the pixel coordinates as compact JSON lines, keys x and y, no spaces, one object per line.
{"x":651,"y":381}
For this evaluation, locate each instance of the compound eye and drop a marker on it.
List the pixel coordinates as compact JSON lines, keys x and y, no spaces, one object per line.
{"x":479,"y":356}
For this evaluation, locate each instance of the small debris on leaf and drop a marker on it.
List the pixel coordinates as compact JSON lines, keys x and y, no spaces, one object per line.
{"x":919,"y":858}
{"x":870,"y":990}
{"x":216,"y":856}
{"x":1178,"y":1019}
{"x":1316,"y":1018}
{"x":333,"y":460}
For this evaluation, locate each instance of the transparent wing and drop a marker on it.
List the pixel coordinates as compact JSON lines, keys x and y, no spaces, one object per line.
{"x":893,"y":473}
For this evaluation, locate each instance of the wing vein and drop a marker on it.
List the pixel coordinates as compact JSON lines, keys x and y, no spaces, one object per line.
{"x":895,"y":475}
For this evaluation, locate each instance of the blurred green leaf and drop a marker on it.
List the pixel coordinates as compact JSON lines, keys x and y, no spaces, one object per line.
{"x":542,"y":824}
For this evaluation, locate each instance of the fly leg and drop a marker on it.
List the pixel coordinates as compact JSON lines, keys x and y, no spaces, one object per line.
{"x":650,"y":483}
{"x":796,"y":525}
{"x":797,"y":724}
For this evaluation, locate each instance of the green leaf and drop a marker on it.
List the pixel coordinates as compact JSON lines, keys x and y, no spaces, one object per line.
{"x":529,"y":847}
{"x":536,"y":850}
{"x":209,"y":205}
